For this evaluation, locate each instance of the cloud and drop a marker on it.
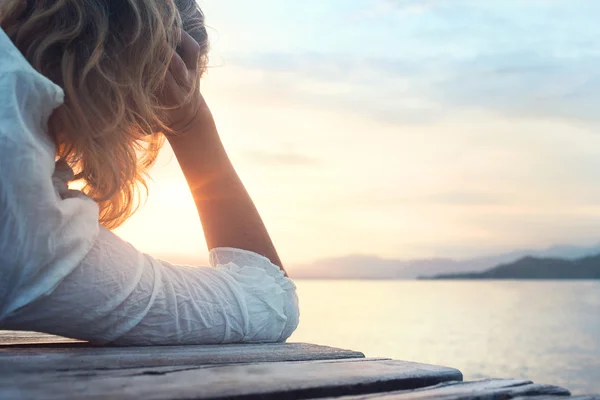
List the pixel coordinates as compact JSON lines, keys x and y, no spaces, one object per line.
{"x":523,"y":59}
{"x":522,"y":84}
{"x":269,"y":158}
{"x":377,"y":7}
{"x":461,"y":199}
{"x":388,"y":201}
{"x":407,"y":6}
{"x":518,"y":84}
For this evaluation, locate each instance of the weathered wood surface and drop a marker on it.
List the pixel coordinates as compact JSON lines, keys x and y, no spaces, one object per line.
{"x":23,"y":338}
{"x":38,"y":366}
{"x":581,"y":397}
{"x":39,"y":359}
{"x":285,"y":380}
{"x":484,"y":389}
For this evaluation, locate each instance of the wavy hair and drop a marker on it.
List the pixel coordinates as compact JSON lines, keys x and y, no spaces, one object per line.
{"x":111,"y":58}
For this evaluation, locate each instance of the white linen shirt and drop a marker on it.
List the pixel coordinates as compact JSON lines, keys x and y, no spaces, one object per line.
{"x":62,"y":273}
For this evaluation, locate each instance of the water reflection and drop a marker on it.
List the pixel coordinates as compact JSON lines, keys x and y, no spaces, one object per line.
{"x":545,"y":331}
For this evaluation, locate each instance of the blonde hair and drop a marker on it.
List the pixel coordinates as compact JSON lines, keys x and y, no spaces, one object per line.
{"x":111,"y":58}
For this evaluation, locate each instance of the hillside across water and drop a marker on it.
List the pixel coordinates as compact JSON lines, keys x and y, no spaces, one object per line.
{"x":536,"y":268}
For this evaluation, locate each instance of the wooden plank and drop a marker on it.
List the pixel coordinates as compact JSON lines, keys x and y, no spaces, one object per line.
{"x":31,"y":358}
{"x":484,"y":389}
{"x":581,"y":397}
{"x":285,"y":380}
{"x":23,"y":338}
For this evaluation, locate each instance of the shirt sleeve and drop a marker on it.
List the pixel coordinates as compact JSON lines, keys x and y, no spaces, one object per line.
{"x":64,"y":274}
{"x":121,"y":296}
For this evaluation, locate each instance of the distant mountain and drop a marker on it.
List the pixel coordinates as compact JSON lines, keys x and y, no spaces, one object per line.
{"x":373,"y":267}
{"x":538,"y":268}
{"x":369,"y":267}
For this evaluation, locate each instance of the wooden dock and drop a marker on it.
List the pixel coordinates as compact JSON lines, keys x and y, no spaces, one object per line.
{"x":35,"y":366}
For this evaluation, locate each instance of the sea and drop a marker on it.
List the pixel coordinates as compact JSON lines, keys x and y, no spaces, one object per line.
{"x":544,"y":331}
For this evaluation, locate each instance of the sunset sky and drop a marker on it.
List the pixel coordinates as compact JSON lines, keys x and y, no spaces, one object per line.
{"x":400,"y":129}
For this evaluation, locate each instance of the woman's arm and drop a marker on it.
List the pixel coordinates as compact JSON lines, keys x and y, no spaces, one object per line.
{"x":228,"y":215}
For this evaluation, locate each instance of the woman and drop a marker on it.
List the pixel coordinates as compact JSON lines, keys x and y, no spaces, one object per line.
{"x":94,"y":87}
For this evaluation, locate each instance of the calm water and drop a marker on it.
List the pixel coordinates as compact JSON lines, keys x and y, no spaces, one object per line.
{"x":545,"y":331}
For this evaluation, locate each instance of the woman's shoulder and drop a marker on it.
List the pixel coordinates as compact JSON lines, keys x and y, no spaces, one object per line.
{"x":17,"y":74}
{"x":14,"y":62}
{"x":27,"y":98}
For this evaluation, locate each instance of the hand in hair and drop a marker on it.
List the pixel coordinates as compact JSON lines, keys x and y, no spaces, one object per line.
{"x":181,"y":94}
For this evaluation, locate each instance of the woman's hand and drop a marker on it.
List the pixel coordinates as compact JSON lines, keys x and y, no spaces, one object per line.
{"x":181,"y":94}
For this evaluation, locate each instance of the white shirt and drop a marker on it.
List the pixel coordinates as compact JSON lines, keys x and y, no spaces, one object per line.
{"x":63,"y":273}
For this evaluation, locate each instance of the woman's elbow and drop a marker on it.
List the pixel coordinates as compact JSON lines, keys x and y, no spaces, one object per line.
{"x":276,"y":323}
{"x":292,"y":313}
{"x":269,"y":310}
